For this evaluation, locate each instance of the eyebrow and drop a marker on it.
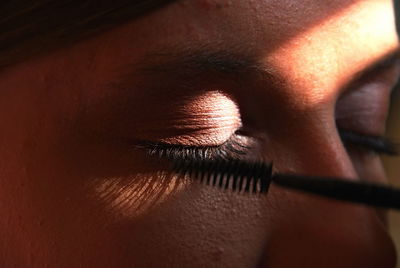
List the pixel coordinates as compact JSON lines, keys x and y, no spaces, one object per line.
{"x":192,"y":63}
{"x":385,"y":62}
{"x":388,"y":60}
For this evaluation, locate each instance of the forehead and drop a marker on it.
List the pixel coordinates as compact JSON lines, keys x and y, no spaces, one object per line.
{"x":260,"y":27}
{"x":305,"y":39}
{"x":271,"y":21}
{"x":313,"y":44}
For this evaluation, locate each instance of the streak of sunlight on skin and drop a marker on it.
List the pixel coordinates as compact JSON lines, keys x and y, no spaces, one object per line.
{"x":135,"y":195}
{"x":219,"y":117}
{"x":323,"y":58}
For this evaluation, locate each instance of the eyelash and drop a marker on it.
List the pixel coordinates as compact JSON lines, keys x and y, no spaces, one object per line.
{"x":235,"y":148}
{"x":375,"y":144}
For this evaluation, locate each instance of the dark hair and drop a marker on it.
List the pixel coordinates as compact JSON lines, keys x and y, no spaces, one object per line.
{"x":29,"y":28}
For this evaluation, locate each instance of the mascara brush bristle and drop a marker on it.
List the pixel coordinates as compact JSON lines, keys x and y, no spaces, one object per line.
{"x":255,"y":177}
{"x":235,"y":175}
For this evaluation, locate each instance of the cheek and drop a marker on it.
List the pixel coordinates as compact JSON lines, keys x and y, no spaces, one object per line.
{"x":198,"y":227}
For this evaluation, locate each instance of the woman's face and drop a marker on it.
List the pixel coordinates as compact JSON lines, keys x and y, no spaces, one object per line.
{"x":77,"y":191}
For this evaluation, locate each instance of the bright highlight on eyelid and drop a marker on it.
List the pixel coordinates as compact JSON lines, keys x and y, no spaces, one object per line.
{"x":214,"y":117}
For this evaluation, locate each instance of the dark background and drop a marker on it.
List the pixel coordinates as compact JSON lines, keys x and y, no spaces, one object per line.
{"x":392,"y":164}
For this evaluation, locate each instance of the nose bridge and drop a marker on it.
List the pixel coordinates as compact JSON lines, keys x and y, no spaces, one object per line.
{"x":320,"y":232}
{"x":310,"y":145}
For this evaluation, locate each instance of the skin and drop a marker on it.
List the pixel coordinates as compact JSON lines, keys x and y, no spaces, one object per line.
{"x":75,"y":191}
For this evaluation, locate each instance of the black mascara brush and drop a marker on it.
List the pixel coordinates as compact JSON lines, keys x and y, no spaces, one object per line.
{"x":255,"y":177}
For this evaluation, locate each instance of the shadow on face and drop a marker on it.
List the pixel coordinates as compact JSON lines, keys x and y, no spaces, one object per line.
{"x":76,"y":190}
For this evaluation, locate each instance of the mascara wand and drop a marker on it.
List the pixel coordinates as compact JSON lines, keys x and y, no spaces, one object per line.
{"x":255,"y":177}
{"x":352,"y":191}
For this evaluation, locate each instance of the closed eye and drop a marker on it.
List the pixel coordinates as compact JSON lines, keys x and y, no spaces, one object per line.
{"x":375,"y":144}
{"x":236,"y":147}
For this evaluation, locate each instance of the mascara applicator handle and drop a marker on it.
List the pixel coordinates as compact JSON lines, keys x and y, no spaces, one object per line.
{"x":352,"y":191}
